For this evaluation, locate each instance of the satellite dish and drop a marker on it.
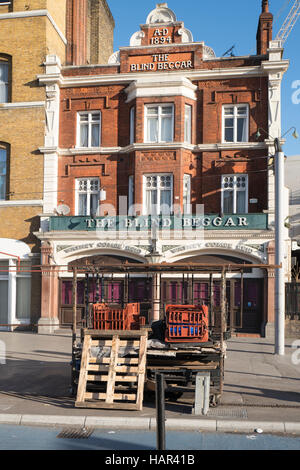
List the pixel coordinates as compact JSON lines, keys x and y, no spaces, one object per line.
{"x":63,"y":209}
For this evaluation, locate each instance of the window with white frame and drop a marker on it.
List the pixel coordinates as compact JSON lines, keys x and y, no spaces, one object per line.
{"x":187,"y":194}
{"x":89,"y":129}
{"x":132,"y":125}
{"x":235,"y":194}
{"x":159,"y":123}
{"x":235,"y":123}
{"x":3,"y":81}
{"x":3,"y":171}
{"x":87,"y":196}
{"x":158,"y":194}
{"x":130,"y":195}
{"x":188,"y":123}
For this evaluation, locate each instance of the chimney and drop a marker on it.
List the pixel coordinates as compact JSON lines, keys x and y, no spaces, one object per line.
{"x":265,"y":29}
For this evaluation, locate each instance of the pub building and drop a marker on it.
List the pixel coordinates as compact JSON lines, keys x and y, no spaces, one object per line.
{"x":155,"y":157}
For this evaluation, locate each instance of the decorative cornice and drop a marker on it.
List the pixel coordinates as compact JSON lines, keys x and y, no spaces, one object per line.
{"x":158,"y":146}
{"x":26,"y":202}
{"x":25,"y":104}
{"x":265,"y":69}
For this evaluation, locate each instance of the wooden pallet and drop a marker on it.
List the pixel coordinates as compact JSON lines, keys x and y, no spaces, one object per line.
{"x":112,"y":382}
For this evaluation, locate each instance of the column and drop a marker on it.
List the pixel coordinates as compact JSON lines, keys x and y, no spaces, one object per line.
{"x":270,"y":292}
{"x":155,"y":298}
{"x":49,"y":321}
{"x":12,"y":293}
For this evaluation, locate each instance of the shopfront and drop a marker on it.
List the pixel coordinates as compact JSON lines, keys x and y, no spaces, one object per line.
{"x":15,"y":284}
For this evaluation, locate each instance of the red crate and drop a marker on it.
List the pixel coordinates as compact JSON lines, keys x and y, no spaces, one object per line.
{"x":106,"y":318}
{"x":186,"y":323}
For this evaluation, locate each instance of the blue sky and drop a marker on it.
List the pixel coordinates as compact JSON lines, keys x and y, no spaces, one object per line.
{"x":222,"y":24}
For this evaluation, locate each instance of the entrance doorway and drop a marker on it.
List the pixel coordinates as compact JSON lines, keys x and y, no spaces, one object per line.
{"x":244,"y":300}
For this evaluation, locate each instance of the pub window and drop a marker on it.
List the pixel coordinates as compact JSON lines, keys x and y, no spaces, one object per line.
{"x":158,"y":194}
{"x":132,"y":125}
{"x":3,"y":171}
{"x":4,"y":80}
{"x":89,"y":129}
{"x":87,"y":196}
{"x":235,"y":123}
{"x":235,"y":194}
{"x":159,"y":123}
{"x":187,"y":194}
{"x":188,"y":124}
{"x":130,"y":195}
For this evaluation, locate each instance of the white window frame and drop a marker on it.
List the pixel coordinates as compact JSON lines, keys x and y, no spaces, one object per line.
{"x":235,"y":116}
{"x":158,"y":188}
{"x":132,"y":125}
{"x":235,"y":190}
{"x":130,"y":194}
{"x":159,"y":117}
{"x":187,"y":182}
{"x":88,"y":192}
{"x":89,"y":122}
{"x":5,"y":84}
{"x":4,"y":175}
{"x":188,"y":109}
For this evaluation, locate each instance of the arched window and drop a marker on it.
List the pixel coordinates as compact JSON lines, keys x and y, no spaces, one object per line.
{"x":4,"y":79}
{"x":3,"y":171}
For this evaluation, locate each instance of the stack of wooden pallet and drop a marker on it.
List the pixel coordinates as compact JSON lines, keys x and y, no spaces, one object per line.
{"x":112,"y":371}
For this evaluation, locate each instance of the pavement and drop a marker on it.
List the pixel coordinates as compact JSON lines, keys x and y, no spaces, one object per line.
{"x":261,"y":390}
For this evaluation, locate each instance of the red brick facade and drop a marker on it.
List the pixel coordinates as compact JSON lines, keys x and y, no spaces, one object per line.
{"x":207,"y":112}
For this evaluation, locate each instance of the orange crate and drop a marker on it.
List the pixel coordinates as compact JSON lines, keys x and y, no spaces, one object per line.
{"x":186,"y":323}
{"x":105,"y":318}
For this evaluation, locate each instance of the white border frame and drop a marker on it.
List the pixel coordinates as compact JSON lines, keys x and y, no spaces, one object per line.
{"x":85,"y":178}
{"x":81,"y":113}
{"x":145,"y":175}
{"x":235,"y":105}
{"x":235,"y":175}
{"x":158,"y":105}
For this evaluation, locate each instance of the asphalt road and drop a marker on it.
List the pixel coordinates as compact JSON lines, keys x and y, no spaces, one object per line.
{"x":37,"y":438}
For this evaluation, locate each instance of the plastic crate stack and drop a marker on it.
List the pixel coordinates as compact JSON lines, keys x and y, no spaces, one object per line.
{"x":108,"y":318}
{"x":186,"y":323}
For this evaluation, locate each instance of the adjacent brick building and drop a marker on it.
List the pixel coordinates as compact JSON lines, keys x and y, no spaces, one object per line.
{"x":164,"y":128}
{"x":31,"y":34}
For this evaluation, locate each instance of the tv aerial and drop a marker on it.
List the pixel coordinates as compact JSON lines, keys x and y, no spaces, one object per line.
{"x":229,"y":52}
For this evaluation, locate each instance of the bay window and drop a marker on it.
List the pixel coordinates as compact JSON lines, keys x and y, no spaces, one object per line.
{"x":159,"y":123}
{"x":89,"y":129}
{"x":158,"y":194}
{"x":235,"y":123}
{"x":235,"y":194}
{"x":87,"y":196}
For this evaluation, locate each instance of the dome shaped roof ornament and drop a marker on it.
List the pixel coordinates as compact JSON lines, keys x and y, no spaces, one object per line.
{"x":186,"y":35}
{"x":136,"y":38}
{"x":161,"y":14}
{"x":114,"y":59}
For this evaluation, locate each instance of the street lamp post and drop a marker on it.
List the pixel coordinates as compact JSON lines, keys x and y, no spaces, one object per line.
{"x":279,"y":244}
{"x":279,"y":251}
